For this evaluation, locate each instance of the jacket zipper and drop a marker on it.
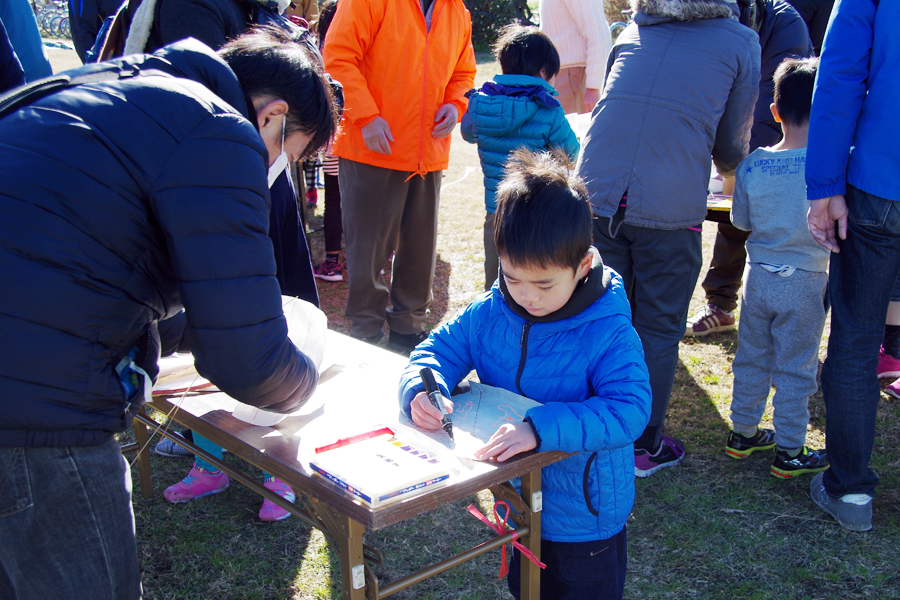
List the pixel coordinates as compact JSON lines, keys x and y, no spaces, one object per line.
{"x":424,"y":91}
{"x":585,"y":481}
{"x":434,"y":16}
{"x":523,"y":342}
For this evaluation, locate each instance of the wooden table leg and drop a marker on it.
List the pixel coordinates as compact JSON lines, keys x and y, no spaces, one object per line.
{"x":530,"y":582}
{"x":143,"y":458}
{"x":349,"y":537}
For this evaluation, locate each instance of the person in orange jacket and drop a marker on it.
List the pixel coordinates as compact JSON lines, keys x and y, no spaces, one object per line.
{"x":405,"y":66}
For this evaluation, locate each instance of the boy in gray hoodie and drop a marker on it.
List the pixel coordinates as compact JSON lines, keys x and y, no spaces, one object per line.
{"x":780,"y":328}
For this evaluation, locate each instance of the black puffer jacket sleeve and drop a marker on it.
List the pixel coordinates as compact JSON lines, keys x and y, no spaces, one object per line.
{"x":173,"y":335}
{"x":215,"y":222}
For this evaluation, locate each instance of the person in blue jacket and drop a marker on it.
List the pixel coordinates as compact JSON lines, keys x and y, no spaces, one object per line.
{"x":851,"y":178}
{"x":518,"y":109}
{"x":11,"y":72}
{"x":25,"y":37}
{"x":555,"y":327}
{"x":125,"y":200}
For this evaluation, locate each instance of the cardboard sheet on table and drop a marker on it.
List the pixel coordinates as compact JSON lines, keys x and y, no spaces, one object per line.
{"x":720,"y":202}
{"x":477,"y":414}
{"x":307,"y":328}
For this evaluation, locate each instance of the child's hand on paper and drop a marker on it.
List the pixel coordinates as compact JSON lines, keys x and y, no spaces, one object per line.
{"x":425,"y":415}
{"x":509,"y":440}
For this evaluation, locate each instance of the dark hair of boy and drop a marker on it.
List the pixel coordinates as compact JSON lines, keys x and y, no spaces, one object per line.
{"x":794,"y":81}
{"x":268,"y":64}
{"x":525,"y":50}
{"x":543,"y":215}
{"x":326,"y":15}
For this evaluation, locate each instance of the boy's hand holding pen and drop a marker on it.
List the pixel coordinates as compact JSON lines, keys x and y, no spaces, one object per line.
{"x":429,"y":408}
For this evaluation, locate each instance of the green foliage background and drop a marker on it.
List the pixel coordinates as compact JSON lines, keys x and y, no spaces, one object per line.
{"x":488,"y":18}
{"x":614,"y":9}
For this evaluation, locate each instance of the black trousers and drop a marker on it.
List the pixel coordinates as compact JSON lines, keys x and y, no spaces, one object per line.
{"x":578,"y":570}
{"x":723,"y":280}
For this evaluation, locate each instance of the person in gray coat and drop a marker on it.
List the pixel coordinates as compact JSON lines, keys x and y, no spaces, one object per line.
{"x":680,"y":88}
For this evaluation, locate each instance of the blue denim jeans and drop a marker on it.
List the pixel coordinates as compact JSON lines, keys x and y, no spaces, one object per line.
{"x":862,"y":276}
{"x":66,"y":524}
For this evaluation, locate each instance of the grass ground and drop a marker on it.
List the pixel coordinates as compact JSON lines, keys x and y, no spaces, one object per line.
{"x":712,"y":528}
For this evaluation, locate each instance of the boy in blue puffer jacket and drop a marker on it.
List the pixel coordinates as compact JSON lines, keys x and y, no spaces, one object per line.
{"x":518,"y":109}
{"x":555,"y":327}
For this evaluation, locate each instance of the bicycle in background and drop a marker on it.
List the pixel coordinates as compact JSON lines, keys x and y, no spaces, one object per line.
{"x":616,"y":28}
{"x":53,"y":18}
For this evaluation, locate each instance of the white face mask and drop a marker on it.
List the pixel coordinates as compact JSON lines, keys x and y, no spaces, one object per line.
{"x":281,"y":162}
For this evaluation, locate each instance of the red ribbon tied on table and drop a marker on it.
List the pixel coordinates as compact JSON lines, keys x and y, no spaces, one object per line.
{"x":500,"y":528}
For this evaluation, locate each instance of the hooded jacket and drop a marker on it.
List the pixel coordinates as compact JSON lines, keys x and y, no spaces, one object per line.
{"x":124,"y":201}
{"x":585,"y":365}
{"x":510,"y":112}
{"x":393,"y":65}
{"x":681,"y":84}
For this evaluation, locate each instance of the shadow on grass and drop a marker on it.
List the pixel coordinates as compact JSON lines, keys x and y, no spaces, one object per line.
{"x":333,"y":295}
{"x":216,"y":547}
{"x":442,"y":271}
{"x":693,"y":415}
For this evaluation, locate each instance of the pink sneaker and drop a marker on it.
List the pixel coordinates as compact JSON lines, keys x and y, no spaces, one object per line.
{"x":198,"y":483}
{"x":893,"y":389}
{"x":670,"y":453}
{"x":271,"y":511}
{"x":888,"y":366}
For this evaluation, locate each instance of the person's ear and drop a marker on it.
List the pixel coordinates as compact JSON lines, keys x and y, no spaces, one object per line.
{"x":775,"y":113}
{"x":270,"y":114}
{"x":584,"y":267}
{"x":544,"y":75}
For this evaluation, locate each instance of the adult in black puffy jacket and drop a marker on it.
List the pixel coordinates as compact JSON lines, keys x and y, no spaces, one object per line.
{"x":782,"y":34}
{"x":124,"y":201}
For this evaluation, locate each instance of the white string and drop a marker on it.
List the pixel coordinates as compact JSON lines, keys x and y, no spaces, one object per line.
{"x":169,"y":422}
{"x":466,"y":174}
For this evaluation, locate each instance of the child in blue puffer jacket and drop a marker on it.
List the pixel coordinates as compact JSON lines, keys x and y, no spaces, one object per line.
{"x":518,"y":109}
{"x":555,"y":327}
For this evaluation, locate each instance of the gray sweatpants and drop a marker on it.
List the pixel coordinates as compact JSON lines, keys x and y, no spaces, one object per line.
{"x":778,"y":344}
{"x":388,"y":211}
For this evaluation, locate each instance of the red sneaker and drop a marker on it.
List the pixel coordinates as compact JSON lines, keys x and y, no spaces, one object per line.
{"x":709,"y":319}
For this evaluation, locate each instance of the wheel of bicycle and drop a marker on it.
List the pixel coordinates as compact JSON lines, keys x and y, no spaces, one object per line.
{"x":616,"y":28}
{"x":65,"y":29}
{"x":44,"y":19}
{"x":54,"y":26}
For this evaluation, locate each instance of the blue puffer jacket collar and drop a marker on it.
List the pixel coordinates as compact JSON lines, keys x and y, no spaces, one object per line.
{"x":519,"y":86}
